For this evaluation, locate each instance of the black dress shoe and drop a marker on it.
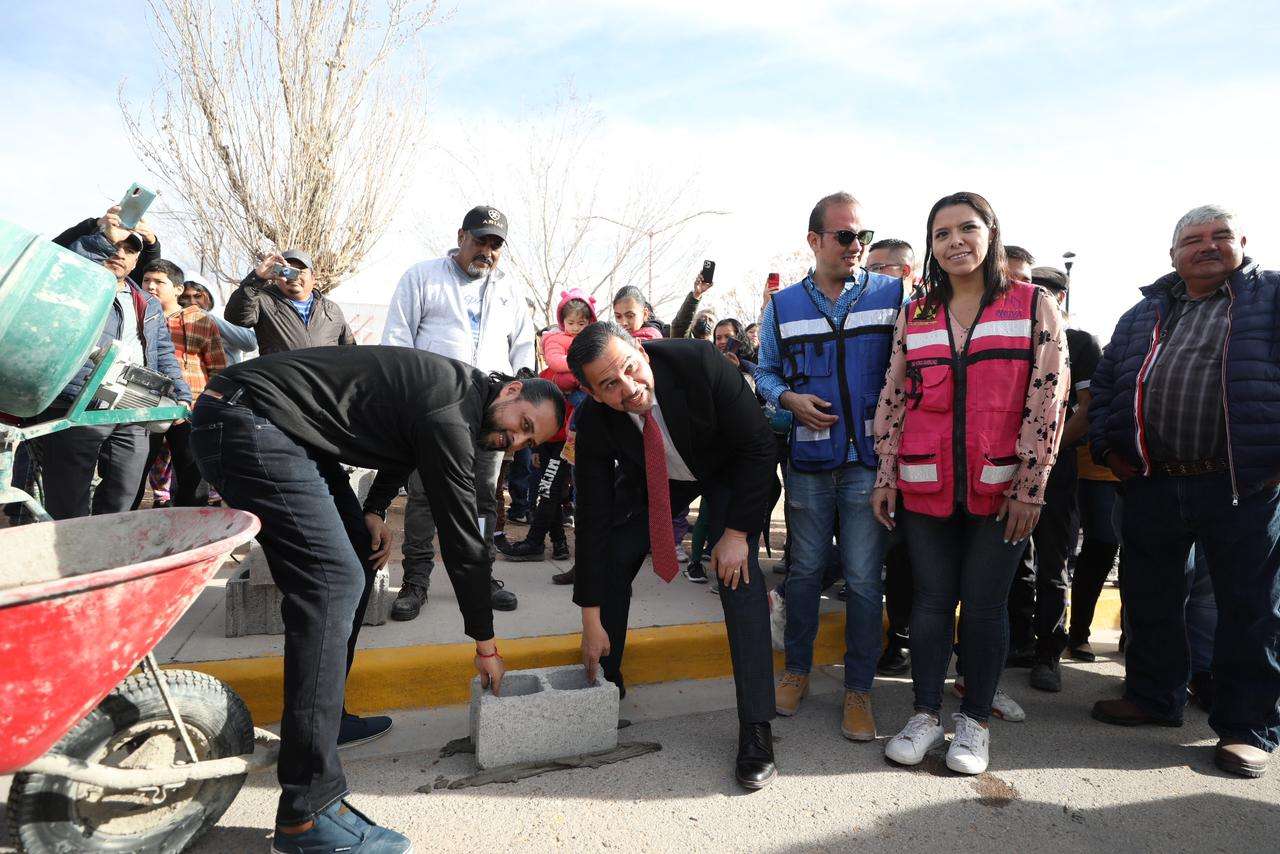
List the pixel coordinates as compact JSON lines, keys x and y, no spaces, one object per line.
{"x":754,"y":768}
{"x":521,"y":550}
{"x":500,"y":599}
{"x":409,"y":601}
{"x":895,"y":660}
{"x":566,"y":577}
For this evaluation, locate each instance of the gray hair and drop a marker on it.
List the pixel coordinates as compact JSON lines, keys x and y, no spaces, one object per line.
{"x":1200,"y":216}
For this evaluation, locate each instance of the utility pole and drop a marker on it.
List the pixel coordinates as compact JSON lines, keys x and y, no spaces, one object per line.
{"x":1068,"y":259}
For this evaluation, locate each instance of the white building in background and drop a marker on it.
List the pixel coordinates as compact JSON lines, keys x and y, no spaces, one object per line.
{"x":366,"y":320}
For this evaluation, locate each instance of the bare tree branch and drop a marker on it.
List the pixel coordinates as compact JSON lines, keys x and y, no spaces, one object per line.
{"x":285,"y":124}
{"x":569,"y":230}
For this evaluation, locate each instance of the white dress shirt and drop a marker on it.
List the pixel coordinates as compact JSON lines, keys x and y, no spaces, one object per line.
{"x":676,"y":468}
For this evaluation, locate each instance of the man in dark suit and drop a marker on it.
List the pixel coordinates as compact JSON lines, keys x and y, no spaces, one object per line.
{"x":668,"y":422}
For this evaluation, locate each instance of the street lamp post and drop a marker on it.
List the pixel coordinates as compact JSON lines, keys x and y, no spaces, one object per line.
{"x":1068,"y":259}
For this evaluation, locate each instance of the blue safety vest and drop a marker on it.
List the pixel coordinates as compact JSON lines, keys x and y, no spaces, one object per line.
{"x":844,"y":366}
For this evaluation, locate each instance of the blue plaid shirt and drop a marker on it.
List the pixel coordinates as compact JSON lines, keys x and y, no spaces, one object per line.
{"x":768,"y":373}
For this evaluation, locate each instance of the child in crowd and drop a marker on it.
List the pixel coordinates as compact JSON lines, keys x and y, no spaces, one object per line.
{"x":632,"y":313}
{"x":575,"y":312}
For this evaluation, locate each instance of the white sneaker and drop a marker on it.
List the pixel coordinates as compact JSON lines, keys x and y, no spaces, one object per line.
{"x":921,"y":734}
{"x":1006,"y":708}
{"x":682,"y":556}
{"x":778,"y":621}
{"x":1002,"y":705}
{"x":968,"y":751}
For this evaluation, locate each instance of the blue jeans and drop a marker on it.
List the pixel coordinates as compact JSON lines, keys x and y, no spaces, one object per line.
{"x":522,"y":480}
{"x":965,"y":559}
{"x":814,"y":500}
{"x":1163,"y":517}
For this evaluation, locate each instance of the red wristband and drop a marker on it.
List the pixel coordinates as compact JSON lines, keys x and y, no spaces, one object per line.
{"x":493,"y":654}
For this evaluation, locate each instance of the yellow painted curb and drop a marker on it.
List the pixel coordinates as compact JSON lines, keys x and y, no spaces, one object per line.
{"x":440,"y":674}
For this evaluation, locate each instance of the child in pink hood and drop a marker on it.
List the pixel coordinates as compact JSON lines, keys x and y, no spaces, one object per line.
{"x":575,"y":312}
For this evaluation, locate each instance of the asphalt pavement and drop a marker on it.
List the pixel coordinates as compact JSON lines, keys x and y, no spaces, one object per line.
{"x":1058,"y":782}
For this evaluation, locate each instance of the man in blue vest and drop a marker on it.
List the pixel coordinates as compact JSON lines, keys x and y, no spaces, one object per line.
{"x":824,"y":347}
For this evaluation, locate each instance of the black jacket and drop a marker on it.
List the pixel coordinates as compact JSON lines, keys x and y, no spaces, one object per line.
{"x":716,"y":425}
{"x":393,"y":409}
{"x":260,"y":306}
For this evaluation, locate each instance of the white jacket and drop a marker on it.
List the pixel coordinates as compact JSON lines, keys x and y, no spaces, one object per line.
{"x":427,"y":313}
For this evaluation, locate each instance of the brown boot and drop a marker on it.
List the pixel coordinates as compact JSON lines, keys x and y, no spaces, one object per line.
{"x":1125,"y":712}
{"x":859,"y":723}
{"x":1238,"y":757}
{"x":790,"y":691}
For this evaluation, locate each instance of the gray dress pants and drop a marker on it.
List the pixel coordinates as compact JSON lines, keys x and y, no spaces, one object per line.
{"x":420,"y":528}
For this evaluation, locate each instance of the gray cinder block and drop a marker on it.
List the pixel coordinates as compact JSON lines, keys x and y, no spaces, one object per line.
{"x":254,"y":609}
{"x":543,"y":714}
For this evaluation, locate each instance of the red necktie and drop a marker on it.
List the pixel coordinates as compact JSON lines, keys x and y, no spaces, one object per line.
{"x":661,"y":541}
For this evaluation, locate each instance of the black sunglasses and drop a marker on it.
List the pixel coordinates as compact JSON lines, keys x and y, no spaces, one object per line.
{"x":845,"y":237}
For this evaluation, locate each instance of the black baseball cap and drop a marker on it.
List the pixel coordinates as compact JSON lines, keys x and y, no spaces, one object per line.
{"x":483,"y":221}
{"x":1049,"y":277}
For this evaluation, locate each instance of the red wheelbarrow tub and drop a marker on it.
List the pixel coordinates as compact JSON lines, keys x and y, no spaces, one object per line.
{"x":82,"y":601}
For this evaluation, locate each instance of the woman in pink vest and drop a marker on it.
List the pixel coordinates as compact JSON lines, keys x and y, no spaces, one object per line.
{"x":967,"y":430}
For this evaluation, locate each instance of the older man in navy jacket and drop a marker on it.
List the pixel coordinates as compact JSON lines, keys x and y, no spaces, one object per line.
{"x":1186,"y":403}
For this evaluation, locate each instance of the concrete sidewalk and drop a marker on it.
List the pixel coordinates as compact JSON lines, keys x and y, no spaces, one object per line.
{"x":1059,"y":782}
{"x":677,"y":633}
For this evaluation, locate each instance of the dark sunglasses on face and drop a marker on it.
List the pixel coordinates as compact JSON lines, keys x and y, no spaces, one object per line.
{"x":845,"y":237}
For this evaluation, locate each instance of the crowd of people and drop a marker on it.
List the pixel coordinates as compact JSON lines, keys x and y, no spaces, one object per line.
{"x":943,"y":443}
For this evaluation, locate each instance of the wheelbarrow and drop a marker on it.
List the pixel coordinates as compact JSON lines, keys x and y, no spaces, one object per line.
{"x":146,"y":764}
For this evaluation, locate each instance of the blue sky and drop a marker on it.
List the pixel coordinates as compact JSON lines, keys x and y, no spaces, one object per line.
{"x":1091,"y":126}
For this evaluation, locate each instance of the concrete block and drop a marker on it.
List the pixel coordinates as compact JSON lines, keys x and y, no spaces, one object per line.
{"x":254,"y":609}
{"x":543,"y":714}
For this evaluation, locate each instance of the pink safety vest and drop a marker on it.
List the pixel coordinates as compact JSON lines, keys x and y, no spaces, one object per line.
{"x":964,"y":410}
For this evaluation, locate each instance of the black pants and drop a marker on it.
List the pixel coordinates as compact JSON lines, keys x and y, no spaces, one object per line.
{"x":898,"y":590}
{"x":553,"y":483}
{"x":420,"y":527}
{"x":1038,"y":597}
{"x":316,"y":544}
{"x":69,"y":458}
{"x":190,"y":490}
{"x":746,"y":610}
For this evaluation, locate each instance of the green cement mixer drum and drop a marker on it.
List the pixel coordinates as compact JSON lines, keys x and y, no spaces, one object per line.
{"x":53,"y":304}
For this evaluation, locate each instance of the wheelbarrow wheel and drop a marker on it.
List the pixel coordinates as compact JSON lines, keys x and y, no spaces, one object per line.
{"x":132,"y":727}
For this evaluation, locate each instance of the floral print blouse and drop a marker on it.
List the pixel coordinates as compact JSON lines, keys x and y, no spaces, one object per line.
{"x":1042,"y":419}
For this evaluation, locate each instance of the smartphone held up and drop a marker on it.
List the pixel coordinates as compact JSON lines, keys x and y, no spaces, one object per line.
{"x":133,"y":207}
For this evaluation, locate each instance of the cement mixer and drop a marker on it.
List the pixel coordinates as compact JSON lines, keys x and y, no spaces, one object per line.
{"x":149,"y":763}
